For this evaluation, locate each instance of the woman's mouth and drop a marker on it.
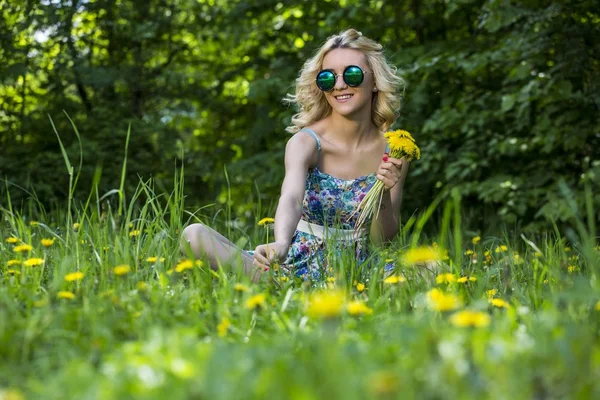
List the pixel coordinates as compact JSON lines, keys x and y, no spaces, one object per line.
{"x":343,"y":97}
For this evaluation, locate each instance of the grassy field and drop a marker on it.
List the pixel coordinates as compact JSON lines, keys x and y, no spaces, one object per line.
{"x":102,"y":305}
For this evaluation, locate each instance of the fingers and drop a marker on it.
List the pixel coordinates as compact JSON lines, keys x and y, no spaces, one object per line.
{"x":398,"y":163}
{"x":387,"y":182}
{"x":260,"y":258}
{"x":388,"y":174}
{"x":272,"y":254}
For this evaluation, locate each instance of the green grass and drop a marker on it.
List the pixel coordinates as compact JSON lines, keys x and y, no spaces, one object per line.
{"x":154,"y":332}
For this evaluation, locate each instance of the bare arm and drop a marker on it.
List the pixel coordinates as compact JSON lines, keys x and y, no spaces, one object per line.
{"x":384,"y":226}
{"x":300,"y":153}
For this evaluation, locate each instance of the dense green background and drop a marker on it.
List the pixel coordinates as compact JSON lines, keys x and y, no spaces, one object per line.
{"x":503,"y":96}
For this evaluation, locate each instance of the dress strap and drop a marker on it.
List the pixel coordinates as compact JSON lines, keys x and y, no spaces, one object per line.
{"x":313,"y":134}
{"x":387,"y":148}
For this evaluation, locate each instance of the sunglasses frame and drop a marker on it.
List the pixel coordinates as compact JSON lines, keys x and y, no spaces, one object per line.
{"x":335,"y":76}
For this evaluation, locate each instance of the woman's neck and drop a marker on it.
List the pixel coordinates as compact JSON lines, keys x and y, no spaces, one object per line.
{"x":352,"y":131}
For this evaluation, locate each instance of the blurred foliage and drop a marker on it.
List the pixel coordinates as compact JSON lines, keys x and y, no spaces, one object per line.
{"x":503,"y":96}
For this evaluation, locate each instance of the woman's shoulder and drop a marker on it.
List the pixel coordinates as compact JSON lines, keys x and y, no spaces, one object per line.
{"x":304,"y":147}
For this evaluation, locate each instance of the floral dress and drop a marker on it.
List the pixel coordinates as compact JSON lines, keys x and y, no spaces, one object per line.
{"x":328,"y":201}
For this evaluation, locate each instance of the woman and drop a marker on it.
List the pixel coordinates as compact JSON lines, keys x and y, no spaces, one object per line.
{"x":348,"y":97}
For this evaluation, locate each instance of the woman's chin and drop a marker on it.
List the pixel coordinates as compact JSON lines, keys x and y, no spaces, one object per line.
{"x":347,"y":110}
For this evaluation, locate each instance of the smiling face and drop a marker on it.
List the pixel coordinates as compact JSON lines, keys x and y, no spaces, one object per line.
{"x":347,"y":100}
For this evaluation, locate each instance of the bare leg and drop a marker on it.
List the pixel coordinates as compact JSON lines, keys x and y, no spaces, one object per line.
{"x":205,"y":241}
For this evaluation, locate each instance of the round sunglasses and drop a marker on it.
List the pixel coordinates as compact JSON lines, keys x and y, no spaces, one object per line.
{"x":353,"y":75}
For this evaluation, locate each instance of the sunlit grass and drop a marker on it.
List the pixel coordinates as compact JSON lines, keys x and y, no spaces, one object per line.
{"x":101,"y":304}
{"x":104,"y":312}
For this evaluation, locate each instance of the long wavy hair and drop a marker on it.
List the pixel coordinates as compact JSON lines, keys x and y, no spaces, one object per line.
{"x":311,"y":101}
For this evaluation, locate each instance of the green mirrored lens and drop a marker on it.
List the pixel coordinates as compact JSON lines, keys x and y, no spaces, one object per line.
{"x":353,"y":76}
{"x":326,"y":80}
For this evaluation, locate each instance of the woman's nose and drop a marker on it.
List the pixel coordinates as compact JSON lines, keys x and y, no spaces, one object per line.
{"x":339,"y":83}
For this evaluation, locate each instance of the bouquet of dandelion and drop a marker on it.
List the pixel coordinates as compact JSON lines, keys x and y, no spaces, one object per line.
{"x":401,"y":144}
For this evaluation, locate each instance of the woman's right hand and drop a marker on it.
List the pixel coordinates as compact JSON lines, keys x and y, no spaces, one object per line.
{"x":273,"y":252}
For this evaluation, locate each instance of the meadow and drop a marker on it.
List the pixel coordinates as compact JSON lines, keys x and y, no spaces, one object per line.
{"x":99,"y":303}
{"x":495,"y":291}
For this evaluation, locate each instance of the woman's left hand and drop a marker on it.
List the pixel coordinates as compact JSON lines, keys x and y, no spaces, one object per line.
{"x":390,"y":170}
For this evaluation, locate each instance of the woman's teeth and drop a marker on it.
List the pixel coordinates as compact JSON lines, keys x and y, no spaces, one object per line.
{"x":343,"y":97}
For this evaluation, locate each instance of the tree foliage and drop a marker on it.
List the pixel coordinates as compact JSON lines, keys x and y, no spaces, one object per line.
{"x":503,"y":96}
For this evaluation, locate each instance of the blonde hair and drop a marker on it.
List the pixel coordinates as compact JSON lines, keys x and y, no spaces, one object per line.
{"x":312,"y":102}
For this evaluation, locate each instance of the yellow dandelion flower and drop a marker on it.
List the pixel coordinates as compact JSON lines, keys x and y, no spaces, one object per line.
{"x":13,"y":272}
{"x":501,"y":249}
{"x":499,"y":303}
{"x":12,"y":263}
{"x":597,"y":306}
{"x":394,"y":279}
{"x":240,"y":287}
{"x":223,"y":327}
{"x":476,"y":239}
{"x":135,"y":232}
{"x":184,"y":265}
{"x":538,"y":254}
{"x":357,"y":308}
{"x":47,"y":242}
{"x":141,"y":286}
{"x":389,"y":260}
{"x":74,"y":276}
{"x":33,"y":262}
{"x":76,"y":226}
{"x":66,"y":295}
{"x":256,"y":301}
{"x":121,"y":270}
{"x":188,"y":264}
{"x":12,"y":240}
{"x":421,"y":255}
{"x":567,"y":249}
{"x":360,"y":287}
{"x":34,"y":223}
{"x":155,"y":259}
{"x":445,"y":278}
{"x":22,"y":248}
{"x":402,"y":144}
{"x":468,"y":318}
{"x":468,"y":252}
{"x":464,"y":279}
{"x":572,"y":268}
{"x":326,"y":304}
{"x":40,"y":303}
{"x":440,"y":301}
{"x":266,"y":221}
{"x":491,"y":293}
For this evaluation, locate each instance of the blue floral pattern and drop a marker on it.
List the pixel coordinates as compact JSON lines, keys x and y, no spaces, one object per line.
{"x":328,"y":201}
